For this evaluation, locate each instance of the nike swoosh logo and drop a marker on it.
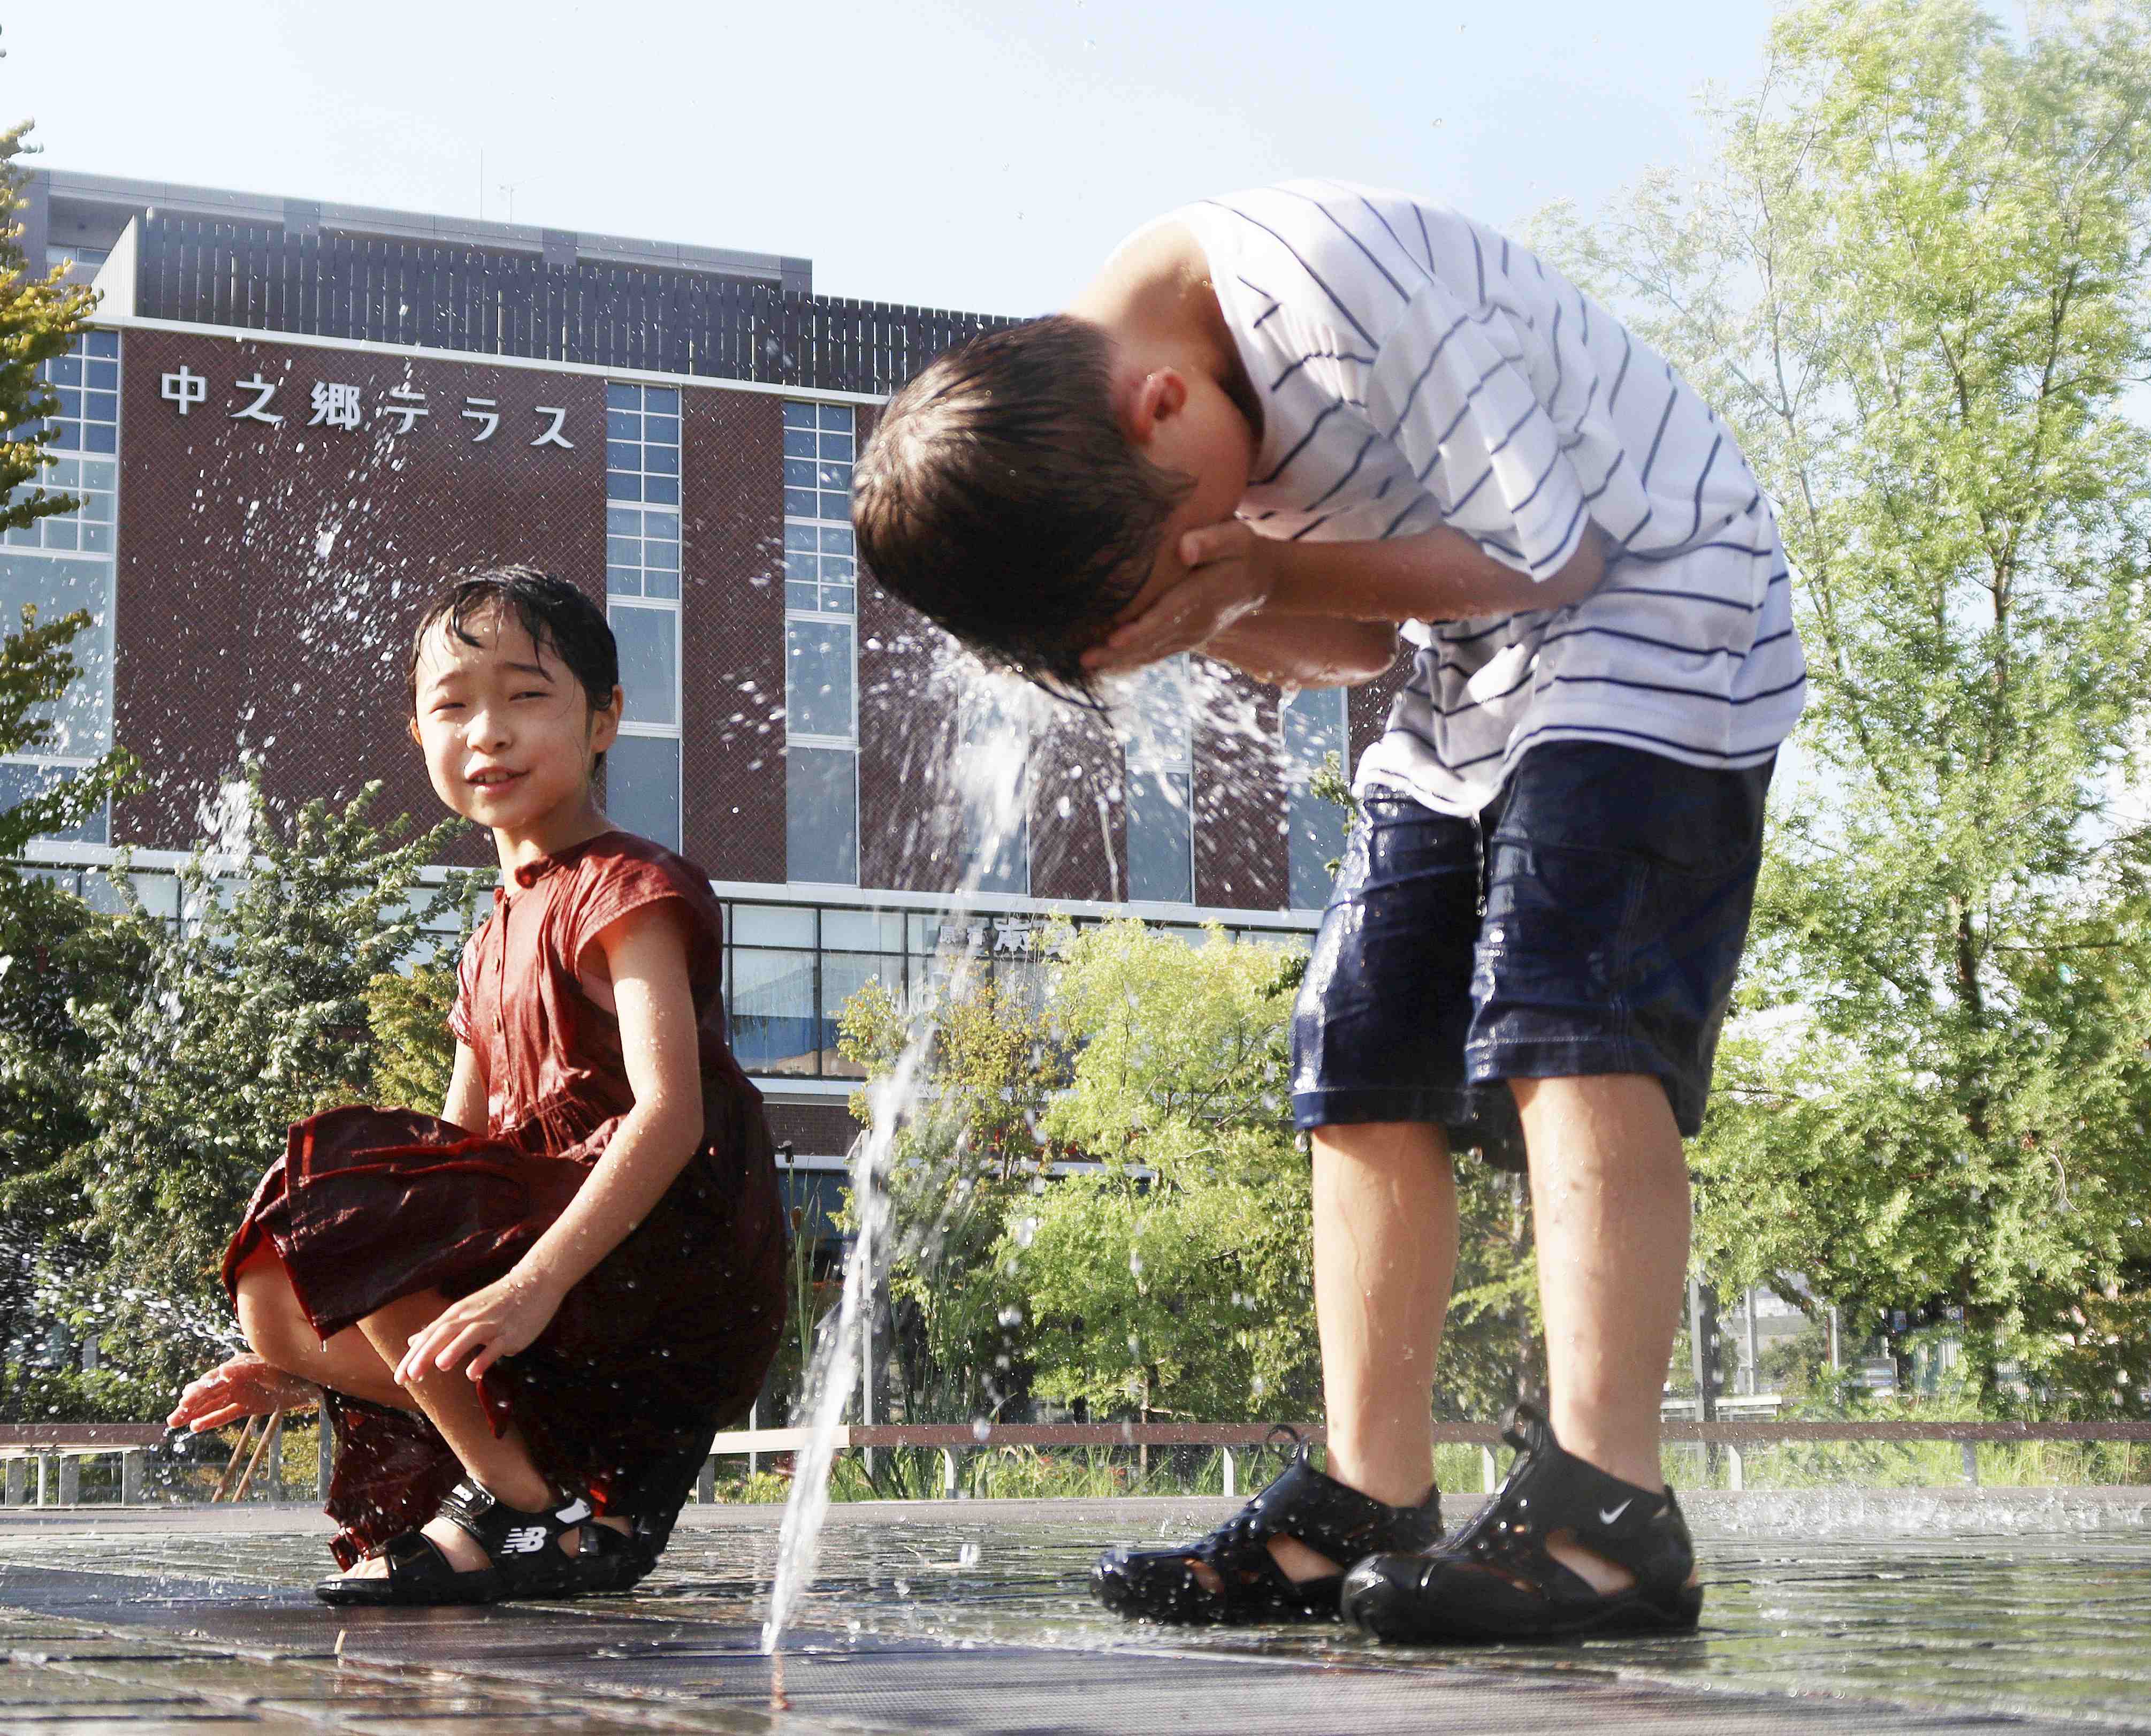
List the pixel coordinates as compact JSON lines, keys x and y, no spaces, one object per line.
{"x":1608,"y":1516}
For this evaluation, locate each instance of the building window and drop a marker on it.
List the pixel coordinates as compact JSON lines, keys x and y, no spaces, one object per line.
{"x":642,"y":595}
{"x":1160,"y":750}
{"x":821,"y":647}
{"x":1312,"y":722}
{"x":64,"y":562}
{"x":993,"y":790}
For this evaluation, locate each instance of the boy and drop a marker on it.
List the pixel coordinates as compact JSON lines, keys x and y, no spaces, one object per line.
{"x":1275,"y":426}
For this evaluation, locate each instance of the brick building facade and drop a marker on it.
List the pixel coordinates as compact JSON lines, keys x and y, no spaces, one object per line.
{"x":291,"y":422}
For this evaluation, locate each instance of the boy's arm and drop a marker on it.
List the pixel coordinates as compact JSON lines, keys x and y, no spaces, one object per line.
{"x":1305,"y":650}
{"x":646,"y":954}
{"x":1236,"y":578}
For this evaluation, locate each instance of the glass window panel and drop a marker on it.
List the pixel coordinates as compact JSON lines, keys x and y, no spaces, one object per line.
{"x":773,"y":1022}
{"x":102,"y":437}
{"x":624,"y":581}
{"x":798,"y":416}
{"x":797,"y":566}
{"x":624,"y":551}
{"x":663,"y":459}
{"x":620,"y":396}
{"x":624,"y":520}
{"x":57,"y":588}
{"x":20,"y":781}
{"x":101,"y":406}
{"x":837,"y":416}
{"x":60,"y":532}
{"x":649,"y":663}
{"x":66,"y":472}
{"x":623,"y":425}
{"x":621,"y":486}
{"x":837,"y":598}
{"x":97,"y":539}
{"x":799,"y":536}
{"x":836,"y":506}
{"x":1157,"y":715}
{"x":68,"y":436}
{"x":103,"y":375}
{"x":662,"y":430}
{"x":642,"y":786}
{"x":800,"y":502}
{"x":798,"y":595}
{"x":96,"y":473}
{"x":659,"y":584}
{"x":867,"y":931}
{"x":662,"y":552}
{"x":623,"y":455}
{"x":772,"y":925}
{"x":663,"y":524}
{"x":665,"y":488}
{"x":820,"y":816}
{"x":64,"y":370}
{"x":70,"y":400}
{"x":96,"y":505}
{"x":837,"y":541}
{"x":827,"y":475}
{"x":1313,"y":727}
{"x":1000,"y":865}
{"x":799,"y":473}
{"x":843,"y":974}
{"x":662,"y":398}
{"x":798,"y":443}
{"x":837,"y":447}
{"x":1161,"y":862}
{"x":100,"y":343}
{"x":818,"y":678}
{"x":1318,"y":839}
{"x":836,"y":567}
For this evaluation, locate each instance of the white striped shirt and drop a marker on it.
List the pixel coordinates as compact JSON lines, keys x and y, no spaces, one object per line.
{"x":1417,"y":368}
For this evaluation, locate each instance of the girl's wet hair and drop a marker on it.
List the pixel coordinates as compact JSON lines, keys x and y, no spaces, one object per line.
{"x":560,"y":620}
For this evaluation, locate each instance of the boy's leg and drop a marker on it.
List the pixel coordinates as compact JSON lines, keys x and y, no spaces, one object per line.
{"x":1610,"y":1207}
{"x":1384,"y":1259}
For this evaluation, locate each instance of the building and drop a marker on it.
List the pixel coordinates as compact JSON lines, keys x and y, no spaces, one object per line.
{"x":293,"y":418}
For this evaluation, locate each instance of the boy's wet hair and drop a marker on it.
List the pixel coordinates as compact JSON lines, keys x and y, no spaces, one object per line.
{"x":1000,"y":498}
{"x":560,"y":620}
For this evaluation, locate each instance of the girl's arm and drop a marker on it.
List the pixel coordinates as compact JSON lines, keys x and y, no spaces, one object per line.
{"x":646,"y":953}
{"x":465,"y":1106}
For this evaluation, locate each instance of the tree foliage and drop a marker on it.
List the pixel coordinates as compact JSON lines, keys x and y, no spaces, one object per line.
{"x":250,"y":1013}
{"x":1913,"y":280}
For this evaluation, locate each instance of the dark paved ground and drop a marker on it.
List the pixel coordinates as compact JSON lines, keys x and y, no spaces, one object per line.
{"x":1908,"y":1611}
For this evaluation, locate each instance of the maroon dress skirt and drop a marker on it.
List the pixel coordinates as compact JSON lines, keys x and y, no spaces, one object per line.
{"x":665,"y":1341}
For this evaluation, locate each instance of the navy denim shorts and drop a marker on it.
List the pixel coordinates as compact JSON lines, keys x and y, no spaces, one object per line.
{"x":1590,"y":921}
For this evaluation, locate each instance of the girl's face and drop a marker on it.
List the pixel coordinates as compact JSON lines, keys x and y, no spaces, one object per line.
{"x":509,"y":735}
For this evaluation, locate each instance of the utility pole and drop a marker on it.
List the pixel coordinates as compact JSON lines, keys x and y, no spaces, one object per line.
{"x":1702,"y":1347}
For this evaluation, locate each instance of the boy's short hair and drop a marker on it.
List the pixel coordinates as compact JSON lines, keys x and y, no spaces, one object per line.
{"x":1000,"y":498}
{"x":557,"y":616}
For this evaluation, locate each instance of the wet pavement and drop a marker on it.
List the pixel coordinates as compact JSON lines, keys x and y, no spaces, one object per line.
{"x":1907,"y":1611}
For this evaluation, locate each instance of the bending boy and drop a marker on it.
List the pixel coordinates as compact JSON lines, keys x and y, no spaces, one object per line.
{"x":1276,"y":427}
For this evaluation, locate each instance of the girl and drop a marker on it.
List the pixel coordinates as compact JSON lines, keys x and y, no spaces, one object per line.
{"x":527,"y":1318}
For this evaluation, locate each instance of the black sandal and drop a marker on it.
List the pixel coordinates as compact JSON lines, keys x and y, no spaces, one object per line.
{"x":1495,"y":1580}
{"x":1162,"y":1585}
{"x":523,"y":1556}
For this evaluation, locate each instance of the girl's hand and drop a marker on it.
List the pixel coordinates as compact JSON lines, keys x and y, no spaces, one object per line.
{"x":1230,"y":573}
{"x":242,"y":1386}
{"x":503,"y":1318}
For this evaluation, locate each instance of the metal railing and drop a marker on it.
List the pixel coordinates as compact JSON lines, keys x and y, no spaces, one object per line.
{"x":1733,"y":1441}
{"x":437,"y":296}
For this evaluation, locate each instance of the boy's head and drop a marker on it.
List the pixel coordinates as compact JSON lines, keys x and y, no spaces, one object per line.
{"x":525,"y":661}
{"x":1013,"y":493}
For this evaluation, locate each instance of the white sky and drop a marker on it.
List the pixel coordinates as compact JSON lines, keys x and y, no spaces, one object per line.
{"x":950,"y":153}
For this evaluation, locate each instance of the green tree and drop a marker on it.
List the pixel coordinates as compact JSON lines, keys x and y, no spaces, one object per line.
{"x":414,"y":1052}
{"x":1913,"y":280}
{"x":1177,"y":1280}
{"x":253,"y":1015}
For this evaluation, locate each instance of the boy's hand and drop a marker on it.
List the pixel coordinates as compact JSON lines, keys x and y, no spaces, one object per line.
{"x":1229,"y":576}
{"x":505,"y":1317}
{"x":242,"y":1385}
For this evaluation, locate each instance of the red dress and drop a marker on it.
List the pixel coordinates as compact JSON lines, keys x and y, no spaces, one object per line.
{"x":666,"y":1340}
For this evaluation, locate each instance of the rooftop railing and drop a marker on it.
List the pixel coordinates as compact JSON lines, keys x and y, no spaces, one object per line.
{"x":435,"y":296}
